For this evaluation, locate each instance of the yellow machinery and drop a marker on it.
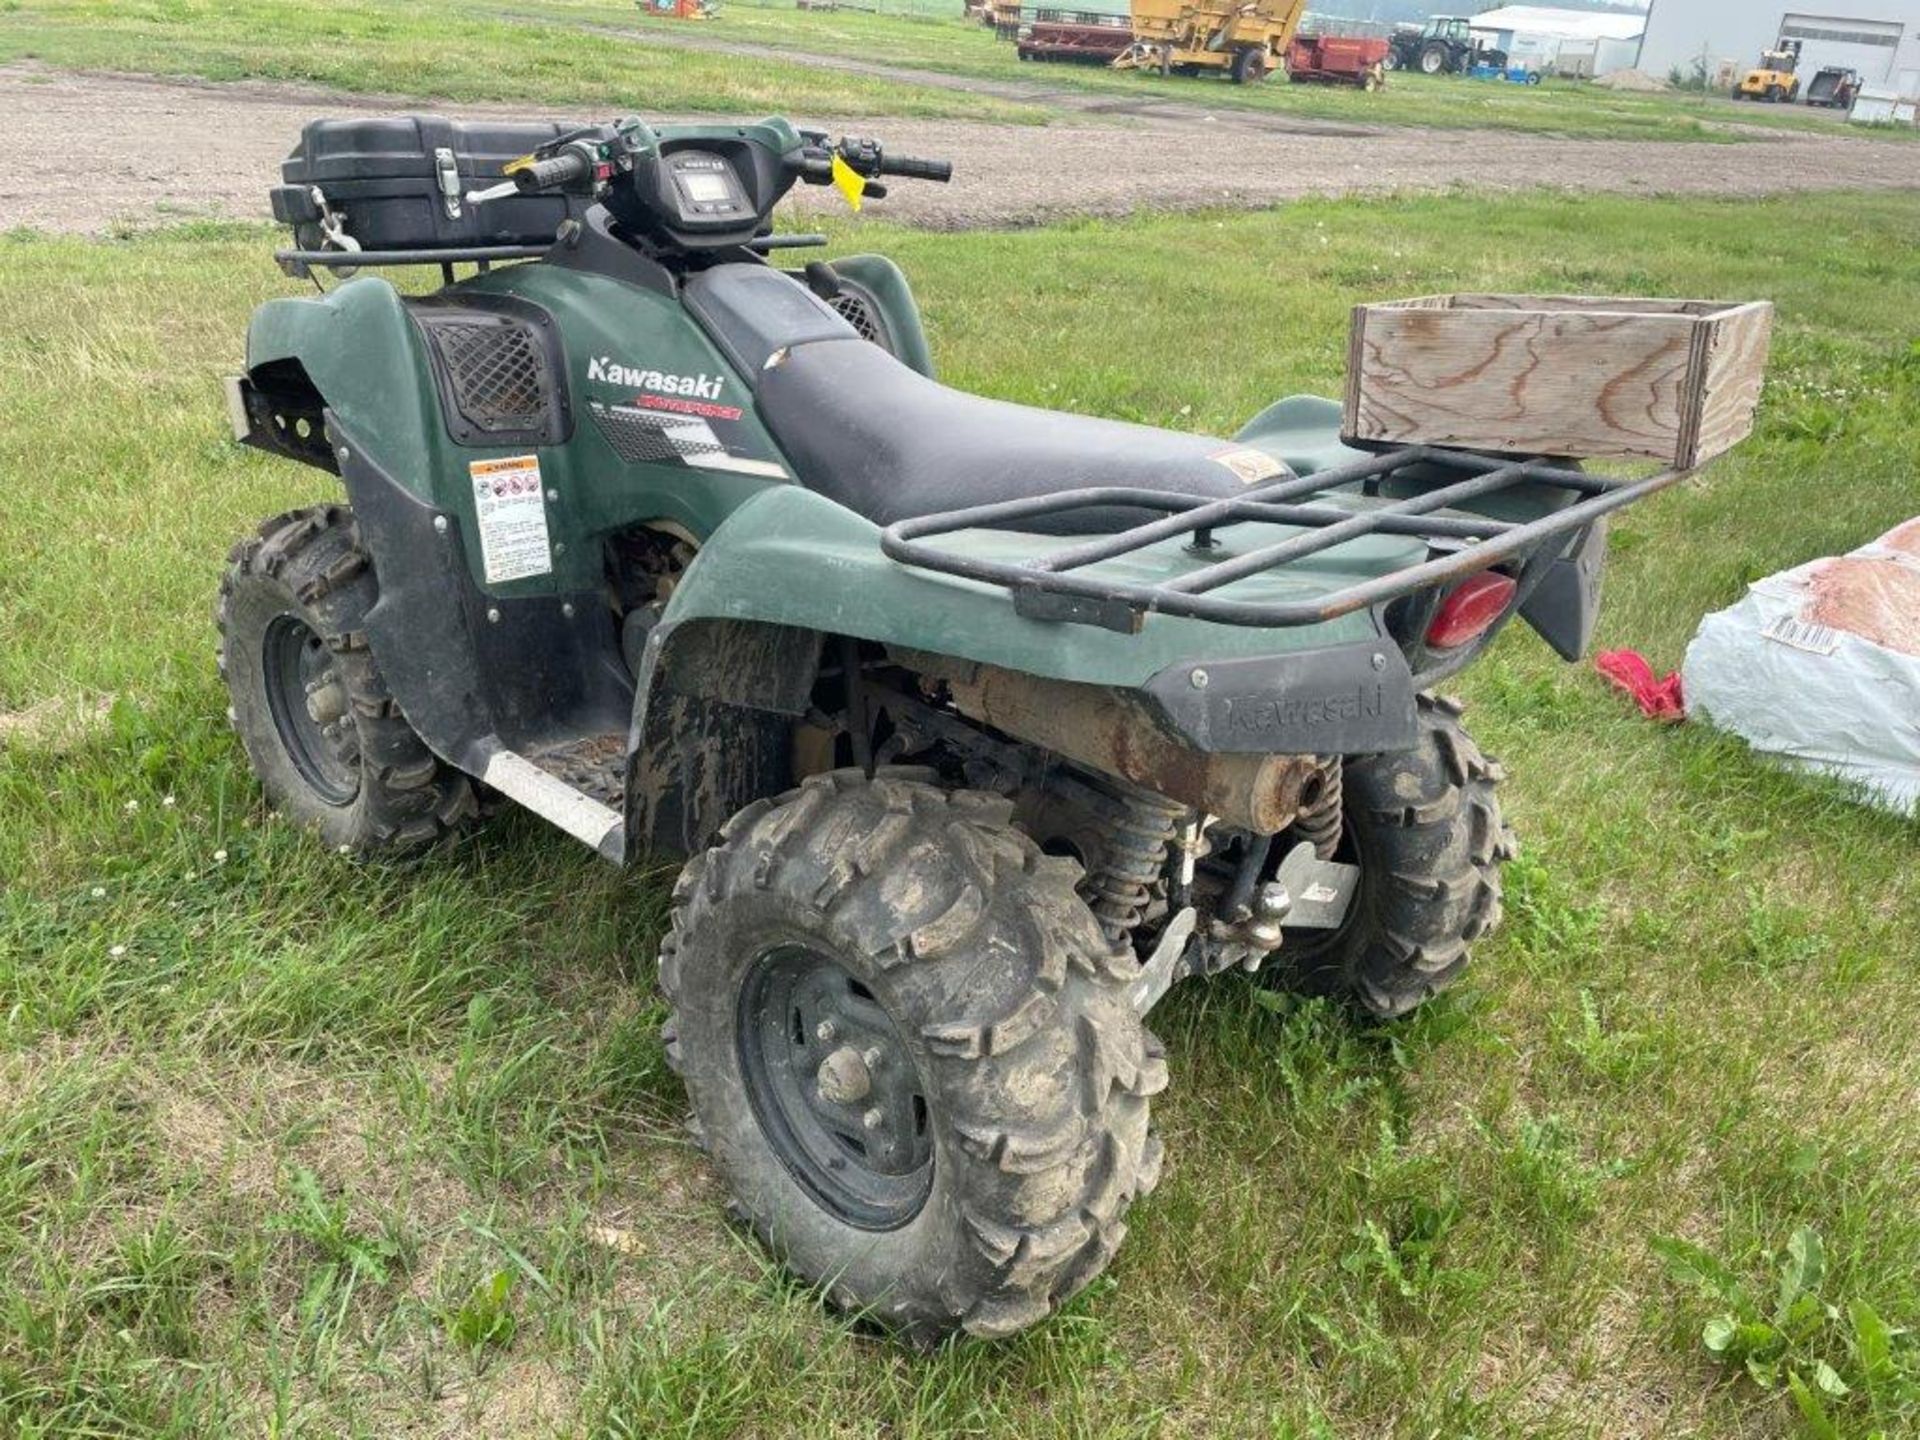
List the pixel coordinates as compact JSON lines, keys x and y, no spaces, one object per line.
{"x":1245,"y":38}
{"x":1002,"y":17}
{"x":1774,"y":78}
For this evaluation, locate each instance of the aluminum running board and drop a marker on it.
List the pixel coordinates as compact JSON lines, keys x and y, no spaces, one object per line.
{"x":598,"y":826}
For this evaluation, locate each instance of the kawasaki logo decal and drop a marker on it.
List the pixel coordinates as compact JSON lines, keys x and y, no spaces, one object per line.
{"x":697,"y":387}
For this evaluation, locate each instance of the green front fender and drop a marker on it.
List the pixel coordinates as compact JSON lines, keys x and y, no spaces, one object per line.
{"x":790,"y":557}
{"x":362,"y":353}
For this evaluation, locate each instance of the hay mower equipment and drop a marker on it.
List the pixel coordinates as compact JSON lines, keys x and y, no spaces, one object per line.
{"x":1245,"y":40}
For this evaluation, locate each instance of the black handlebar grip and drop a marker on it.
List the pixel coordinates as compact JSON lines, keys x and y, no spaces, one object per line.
{"x":562,"y":169}
{"x":911,"y":169}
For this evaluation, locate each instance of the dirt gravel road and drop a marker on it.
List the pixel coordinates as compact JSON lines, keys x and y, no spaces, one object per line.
{"x":181,"y":149}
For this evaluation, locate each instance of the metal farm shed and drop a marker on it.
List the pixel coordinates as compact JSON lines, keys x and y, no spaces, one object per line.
{"x":1879,"y":38}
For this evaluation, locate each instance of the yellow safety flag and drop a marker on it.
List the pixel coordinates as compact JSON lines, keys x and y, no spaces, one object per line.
{"x":848,"y":181}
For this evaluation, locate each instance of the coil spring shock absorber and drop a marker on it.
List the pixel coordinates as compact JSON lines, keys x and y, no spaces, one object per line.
{"x":1136,"y":830}
{"x":1321,"y":815}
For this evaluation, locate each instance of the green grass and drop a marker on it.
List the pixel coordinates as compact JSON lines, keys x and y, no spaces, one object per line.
{"x":274,"y":1125}
{"x":446,"y":49}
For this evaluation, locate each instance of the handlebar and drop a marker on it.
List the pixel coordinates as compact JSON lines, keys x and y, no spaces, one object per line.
{"x":569,"y":167}
{"x":593,"y":161}
{"x":908,"y":168}
{"x":868,"y":158}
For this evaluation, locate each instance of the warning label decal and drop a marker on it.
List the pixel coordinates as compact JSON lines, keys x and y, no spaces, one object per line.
{"x":512,"y":510}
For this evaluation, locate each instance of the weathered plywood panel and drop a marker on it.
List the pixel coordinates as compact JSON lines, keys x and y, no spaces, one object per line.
{"x":1669,"y":380}
{"x":1737,"y":350}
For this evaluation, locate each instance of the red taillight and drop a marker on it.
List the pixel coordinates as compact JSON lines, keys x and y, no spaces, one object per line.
{"x":1469,"y":610}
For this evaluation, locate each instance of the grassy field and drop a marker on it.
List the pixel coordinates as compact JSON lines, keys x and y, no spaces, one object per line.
{"x":446,"y":49}
{"x":291,"y":1145}
{"x":580,"y":52}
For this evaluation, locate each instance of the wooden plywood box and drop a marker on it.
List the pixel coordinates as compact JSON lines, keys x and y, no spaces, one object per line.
{"x":1569,"y":375}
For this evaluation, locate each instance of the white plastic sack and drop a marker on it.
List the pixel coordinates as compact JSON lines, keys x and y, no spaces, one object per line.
{"x":1822,"y":664}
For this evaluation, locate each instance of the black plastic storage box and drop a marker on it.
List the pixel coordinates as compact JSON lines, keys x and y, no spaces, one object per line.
{"x":400,"y":183}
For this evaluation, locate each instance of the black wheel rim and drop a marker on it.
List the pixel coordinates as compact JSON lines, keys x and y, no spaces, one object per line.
{"x":308,"y":701}
{"x":835,"y":1089}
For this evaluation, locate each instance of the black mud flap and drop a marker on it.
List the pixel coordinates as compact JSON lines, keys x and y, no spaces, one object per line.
{"x":1342,"y":700}
{"x":484,"y":681}
{"x":1565,"y":605}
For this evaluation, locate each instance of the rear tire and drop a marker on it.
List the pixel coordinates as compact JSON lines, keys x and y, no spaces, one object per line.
{"x":1435,"y":60}
{"x":855,"y":936}
{"x":1424,"y":827}
{"x":320,"y":728}
{"x":1249,"y":67}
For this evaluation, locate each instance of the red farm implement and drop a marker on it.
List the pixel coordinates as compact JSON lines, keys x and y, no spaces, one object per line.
{"x":1338,"y":60}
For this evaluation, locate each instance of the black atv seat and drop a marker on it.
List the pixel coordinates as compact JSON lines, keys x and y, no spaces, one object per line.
{"x":883,"y":440}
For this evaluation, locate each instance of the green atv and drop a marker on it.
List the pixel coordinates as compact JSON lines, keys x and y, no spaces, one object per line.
{"x":977,"y":726}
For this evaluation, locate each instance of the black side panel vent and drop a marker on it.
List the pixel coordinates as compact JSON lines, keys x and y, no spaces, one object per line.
{"x":499,"y":379}
{"x":858,"y":312}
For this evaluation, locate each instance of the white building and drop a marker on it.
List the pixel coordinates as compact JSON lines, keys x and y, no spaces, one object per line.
{"x":1879,"y":38}
{"x":1573,"y":42}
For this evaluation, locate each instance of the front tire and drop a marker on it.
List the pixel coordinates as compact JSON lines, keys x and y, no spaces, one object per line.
{"x":320,"y":728}
{"x":910,"y":1052}
{"x":1424,"y":827}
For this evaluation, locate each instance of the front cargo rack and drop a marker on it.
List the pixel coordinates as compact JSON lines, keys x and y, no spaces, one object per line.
{"x":294,"y":260}
{"x":1054,"y":586}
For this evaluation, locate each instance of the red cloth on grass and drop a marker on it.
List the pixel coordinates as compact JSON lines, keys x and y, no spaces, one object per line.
{"x":1658,"y":699}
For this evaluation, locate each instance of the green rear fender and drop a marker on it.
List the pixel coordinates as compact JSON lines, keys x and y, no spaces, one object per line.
{"x":790,"y":557}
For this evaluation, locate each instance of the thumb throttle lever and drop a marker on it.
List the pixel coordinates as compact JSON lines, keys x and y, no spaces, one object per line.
{"x":502,"y":191}
{"x":529,"y":177}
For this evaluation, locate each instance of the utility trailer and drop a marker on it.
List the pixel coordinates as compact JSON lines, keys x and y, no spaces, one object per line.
{"x":1511,"y":74}
{"x":1834,"y":88}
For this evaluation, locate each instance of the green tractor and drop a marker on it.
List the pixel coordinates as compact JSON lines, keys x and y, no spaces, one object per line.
{"x":976,"y":726}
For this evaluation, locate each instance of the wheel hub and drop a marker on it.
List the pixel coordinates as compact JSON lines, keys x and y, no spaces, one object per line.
{"x":843,"y":1077}
{"x":835,"y":1089}
{"x":308,"y":702}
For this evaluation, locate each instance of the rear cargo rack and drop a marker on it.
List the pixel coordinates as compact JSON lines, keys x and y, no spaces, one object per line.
{"x":1056,"y":585}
